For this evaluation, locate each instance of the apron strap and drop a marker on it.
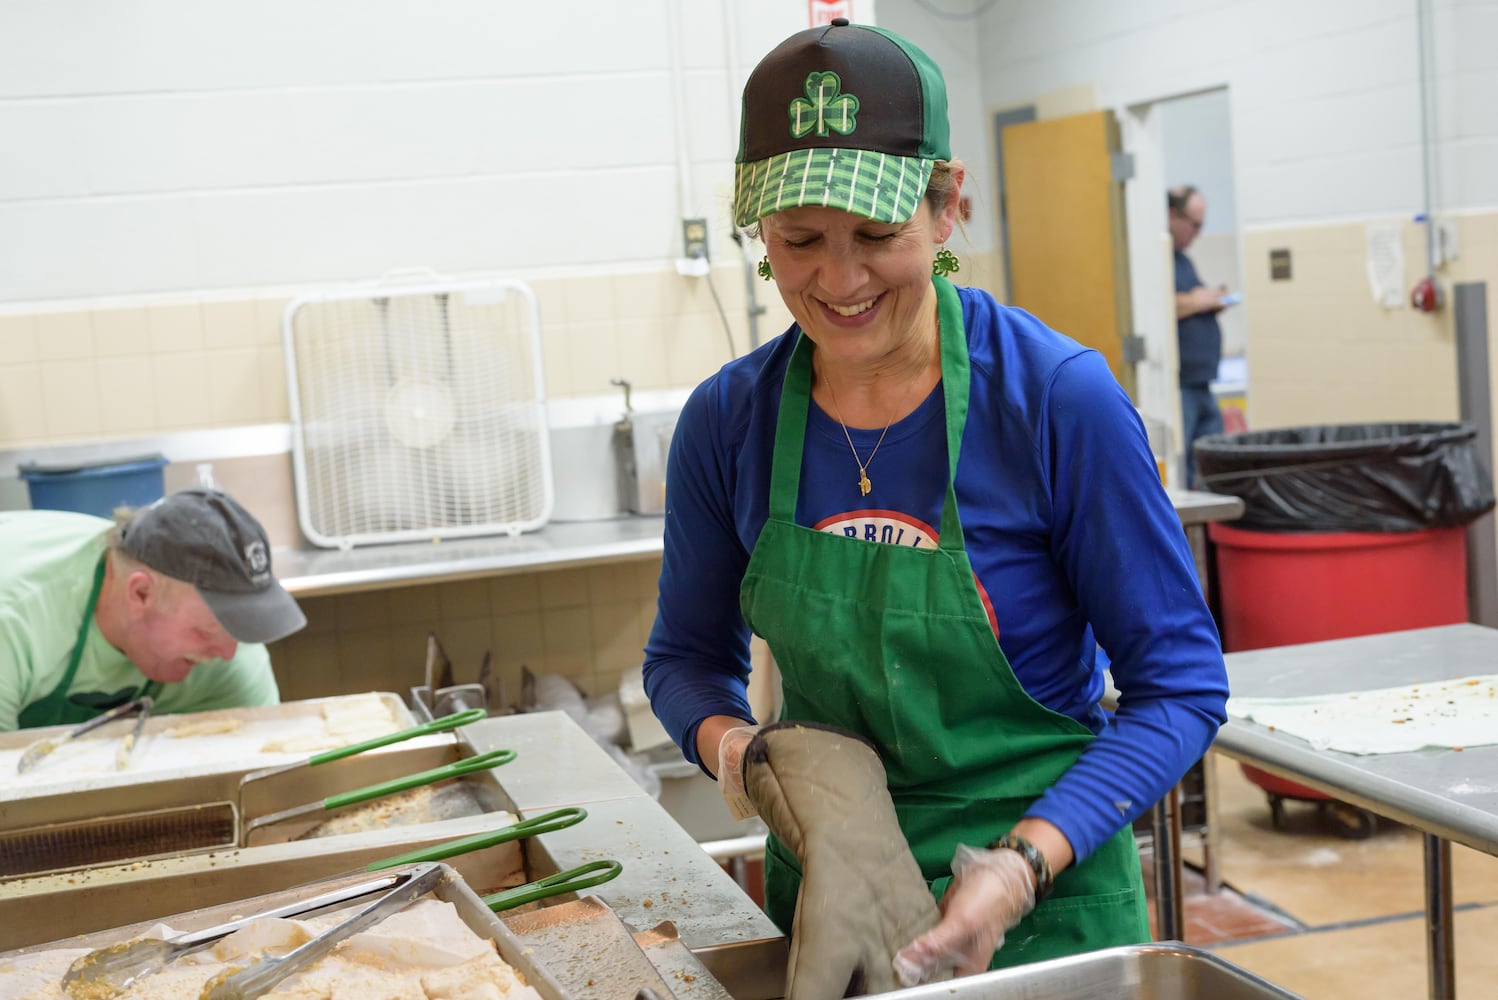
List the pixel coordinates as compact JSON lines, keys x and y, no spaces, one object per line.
{"x":795,"y":402}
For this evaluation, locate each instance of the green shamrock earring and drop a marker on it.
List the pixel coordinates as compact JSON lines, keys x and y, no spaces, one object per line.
{"x":764,"y":268}
{"x":946,"y":263}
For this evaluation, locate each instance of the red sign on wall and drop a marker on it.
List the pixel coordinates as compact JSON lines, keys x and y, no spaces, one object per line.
{"x":823,"y":11}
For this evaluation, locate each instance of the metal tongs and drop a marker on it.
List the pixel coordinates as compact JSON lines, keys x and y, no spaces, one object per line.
{"x":263,"y":975}
{"x":38,"y":751}
{"x":120,"y":965}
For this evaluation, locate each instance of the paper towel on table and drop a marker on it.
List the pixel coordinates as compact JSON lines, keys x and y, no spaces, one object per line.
{"x":1453,"y":714}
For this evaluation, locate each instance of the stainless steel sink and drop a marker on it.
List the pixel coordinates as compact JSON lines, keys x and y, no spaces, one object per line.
{"x":1166,"y":971}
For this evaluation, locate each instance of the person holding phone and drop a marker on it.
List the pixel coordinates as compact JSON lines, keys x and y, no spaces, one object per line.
{"x":1198,"y":335}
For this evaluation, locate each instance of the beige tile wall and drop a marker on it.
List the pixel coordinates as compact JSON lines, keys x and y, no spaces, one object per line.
{"x":587,"y":624}
{"x":1320,"y":350}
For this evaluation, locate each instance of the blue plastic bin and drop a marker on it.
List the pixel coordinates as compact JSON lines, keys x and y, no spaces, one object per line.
{"x":96,"y":487}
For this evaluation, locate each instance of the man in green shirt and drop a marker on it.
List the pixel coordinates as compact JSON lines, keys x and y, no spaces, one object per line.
{"x":175,"y":601}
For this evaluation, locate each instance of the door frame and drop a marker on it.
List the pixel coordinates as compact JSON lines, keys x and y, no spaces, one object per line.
{"x":998,"y":121}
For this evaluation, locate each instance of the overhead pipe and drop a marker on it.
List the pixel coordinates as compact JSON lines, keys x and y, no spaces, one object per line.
{"x":1427,"y":295}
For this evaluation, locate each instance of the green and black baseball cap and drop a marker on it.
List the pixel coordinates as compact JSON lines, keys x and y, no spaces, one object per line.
{"x":844,"y":116}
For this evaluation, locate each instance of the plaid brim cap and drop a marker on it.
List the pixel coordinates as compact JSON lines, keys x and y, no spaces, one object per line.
{"x":205,"y":538}
{"x":843,"y":116}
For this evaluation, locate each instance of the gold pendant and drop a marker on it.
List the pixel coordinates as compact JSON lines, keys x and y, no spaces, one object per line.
{"x":864,"y":486}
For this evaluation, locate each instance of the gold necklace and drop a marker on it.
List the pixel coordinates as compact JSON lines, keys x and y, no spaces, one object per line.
{"x":864,"y":486}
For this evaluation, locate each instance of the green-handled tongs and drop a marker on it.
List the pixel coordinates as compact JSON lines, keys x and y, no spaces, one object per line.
{"x":582,"y":877}
{"x":467,"y":765}
{"x":441,"y":725}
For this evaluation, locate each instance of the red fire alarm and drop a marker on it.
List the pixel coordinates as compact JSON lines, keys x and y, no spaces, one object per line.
{"x":1427,"y":295}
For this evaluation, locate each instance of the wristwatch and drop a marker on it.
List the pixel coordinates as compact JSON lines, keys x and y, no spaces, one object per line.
{"x":1036,"y":860}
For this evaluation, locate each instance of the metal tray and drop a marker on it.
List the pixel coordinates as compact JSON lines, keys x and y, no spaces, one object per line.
{"x":87,"y":763}
{"x":166,"y":816}
{"x":50,"y":907}
{"x":453,"y":889}
{"x":591,"y":951}
{"x":1165,"y":971}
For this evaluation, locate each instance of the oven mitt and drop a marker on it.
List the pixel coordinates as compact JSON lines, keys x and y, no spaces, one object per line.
{"x":823,"y":793}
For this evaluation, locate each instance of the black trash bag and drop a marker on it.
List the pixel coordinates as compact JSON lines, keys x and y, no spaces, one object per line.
{"x":1350,"y":477}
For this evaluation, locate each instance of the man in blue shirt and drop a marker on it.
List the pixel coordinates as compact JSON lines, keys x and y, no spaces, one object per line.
{"x":1199,"y":338}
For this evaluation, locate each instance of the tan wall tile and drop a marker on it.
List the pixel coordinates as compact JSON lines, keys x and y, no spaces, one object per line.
{"x":696,"y":346}
{"x":268,"y":313}
{"x":590,"y":300}
{"x":129,"y":386}
{"x":363,"y":610}
{"x":564,"y":588}
{"x":70,"y":400}
{"x":184,"y":390}
{"x":175,"y":328}
{"x":612,"y":582}
{"x":306,"y":666}
{"x":642,"y":354}
{"x":237,"y":397}
{"x":23,"y":418}
{"x":415,"y":606}
{"x":65,"y":336}
{"x":121,"y":332}
{"x":464,"y":599}
{"x":555,"y":359}
{"x":618,"y":641}
{"x":368,"y":660}
{"x":18,"y":339}
{"x":510,"y":595}
{"x":275,"y":406}
{"x":551,"y":298}
{"x":568,"y":635}
{"x":519,"y":641}
{"x":231,"y":324}
{"x":595,"y":355}
{"x":639,"y":295}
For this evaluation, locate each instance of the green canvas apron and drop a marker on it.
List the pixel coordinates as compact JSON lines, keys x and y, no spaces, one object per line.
{"x":55,"y":709}
{"x":894,"y":643}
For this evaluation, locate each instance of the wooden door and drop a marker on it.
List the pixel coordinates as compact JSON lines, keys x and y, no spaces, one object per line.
{"x":1066,"y":239}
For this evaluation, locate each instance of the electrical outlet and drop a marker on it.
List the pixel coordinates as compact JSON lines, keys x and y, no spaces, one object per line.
{"x":694,"y":238}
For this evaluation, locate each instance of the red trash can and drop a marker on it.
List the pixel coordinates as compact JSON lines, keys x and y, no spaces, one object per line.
{"x":1302,"y":566}
{"x":1278,"y":590}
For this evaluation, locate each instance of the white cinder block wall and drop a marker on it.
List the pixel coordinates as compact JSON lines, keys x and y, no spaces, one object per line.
{"x":1326,"y":139}
{"x":174,"y":145}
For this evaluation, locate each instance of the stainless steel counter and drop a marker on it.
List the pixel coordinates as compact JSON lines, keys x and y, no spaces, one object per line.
{"x":1447,"y":795}
{"x":315,"y":572}
{"x":666,"y":876}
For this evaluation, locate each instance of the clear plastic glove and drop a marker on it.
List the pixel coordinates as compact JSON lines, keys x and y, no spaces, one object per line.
{"x":991,"y":891}
{"x":731,"y":771}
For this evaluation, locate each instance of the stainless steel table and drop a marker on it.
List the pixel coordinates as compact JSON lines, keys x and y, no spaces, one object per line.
{"x":1445,"y":794}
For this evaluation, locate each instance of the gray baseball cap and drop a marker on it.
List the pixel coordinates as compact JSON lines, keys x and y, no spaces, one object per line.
{"x":205,"y":538}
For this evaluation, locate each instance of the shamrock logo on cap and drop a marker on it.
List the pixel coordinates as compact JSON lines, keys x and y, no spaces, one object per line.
{"x":824,"y":109}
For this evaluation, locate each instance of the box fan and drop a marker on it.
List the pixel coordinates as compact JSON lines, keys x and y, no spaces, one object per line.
{"x":418,"y":412}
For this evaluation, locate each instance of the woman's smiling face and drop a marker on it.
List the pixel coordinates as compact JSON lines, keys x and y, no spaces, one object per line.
{"x":858,"y":288}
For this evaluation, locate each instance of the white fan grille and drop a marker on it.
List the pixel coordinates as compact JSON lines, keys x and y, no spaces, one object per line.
{"x":418,"y":413}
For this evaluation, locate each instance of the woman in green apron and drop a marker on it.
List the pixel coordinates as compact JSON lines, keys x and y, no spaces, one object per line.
{"x":938,"y":513}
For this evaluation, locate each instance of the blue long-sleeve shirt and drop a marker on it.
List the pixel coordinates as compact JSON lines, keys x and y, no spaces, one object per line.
{"x":1072,"y":538}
